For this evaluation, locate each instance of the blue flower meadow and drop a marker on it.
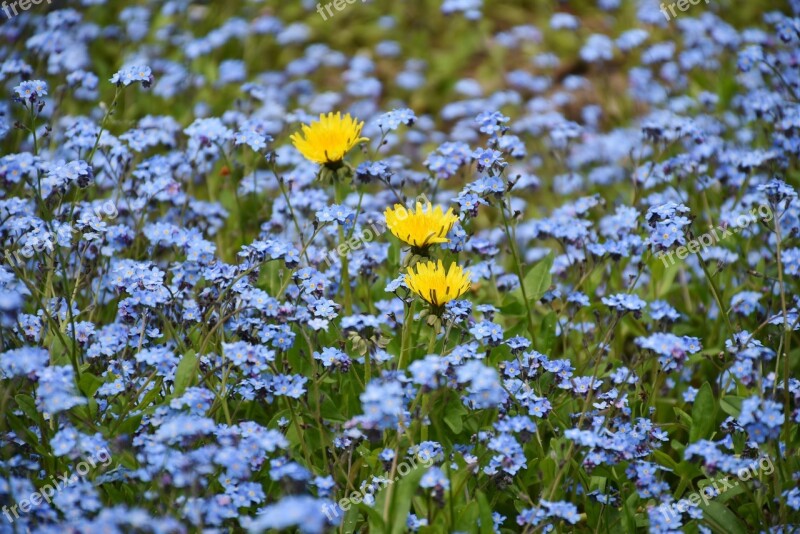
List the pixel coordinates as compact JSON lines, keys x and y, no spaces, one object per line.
{"x":186,"y":293}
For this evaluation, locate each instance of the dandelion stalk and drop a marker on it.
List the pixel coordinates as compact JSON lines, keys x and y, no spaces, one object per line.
{"x":409,"y":313}
{"x":432,"y":342}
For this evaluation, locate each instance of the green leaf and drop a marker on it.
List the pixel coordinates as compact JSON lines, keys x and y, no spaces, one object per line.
{"x":688,"y":470}
{"x":512,"y":305}
{"x":466,"y":517}
{"x":721,"y":519}
{"x":331,"y":411}
{"x":485,"y":514}
{"x":375,"y":519}
{"x":598,"y":483}
{"x":350,"y":518}
{"x":685,"y":418}
{"x":538,"y":279}
{"x":630,"y":512}
{"x":150,"y":397}
{"x":547,"y":333}
{"x":454,"y":415}
{"x":731,"y":405}
{"x":704,"y":414}
{"x":731,"y":493}
{"x":130,"y":425}
{"x":665,"y":460}
{"x":185,"y":373}
{"x":665,"y":274}
{"x":127,"y":460}
{"x":404,"y":490}
{"x":89,"y":384}
{"x":28,"y":406}
{"x":22,"y":431}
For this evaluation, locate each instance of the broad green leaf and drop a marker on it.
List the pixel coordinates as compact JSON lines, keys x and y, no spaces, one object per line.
{"x":485,"y":514}
{"x":454,"y":415}
{"x":350,"y":518}
{"x":704,"y":414}
{"x":630,"y":512}
{"x":547,"y":334}
{"x":685,"y":418}
{"x":512,"y":305}
{"x":688,"y":470}
{"x":374,"y":518}
{"x":721,"y":520}
{"x":664,"y":274}
{"x":28,"y":406}
{"x":331,"y":411}
{"x":150,"y":397}
{"x":404,"y":489}
{"x":185,"y":373}
{"x":89,"y":384}
{"x":731,"y":405}
{"x":22,"y":431}
{"x":466,"y":517}
{"x":130,"y":425}
{"x":598,"y":483}
{"x":537,"y":281}
{"x":665,"y":460}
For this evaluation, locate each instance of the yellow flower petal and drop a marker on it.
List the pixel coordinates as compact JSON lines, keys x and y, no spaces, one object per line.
{"x":435,"y":285}
{"x":329,"y":139}
{"x":420,"y":228}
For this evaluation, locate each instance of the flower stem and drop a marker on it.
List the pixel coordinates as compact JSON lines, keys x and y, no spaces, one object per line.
{"x":518,"y":266}
{"x":406,"y":333}
{"x":431,"y":343}
{"x":715,"y":292}
{"x":348,"y":297}
{"x":109,"y":111}
{"x":785,"y":348}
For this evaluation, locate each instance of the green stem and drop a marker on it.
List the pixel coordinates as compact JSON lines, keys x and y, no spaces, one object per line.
{"x":387,"y":504}
{"x":109,"y":111}
{"x":299,"y":431}
{"x":291,"y":212}
{"x":518,"y":266}
{"x":348,"y":297}
{"x":715,"y":292}
{"x":348,"y":292}
{"x":406,"y":333}
{"x":33,"y":131}
{"x":431,"y":343}
{"x":787,"y":337}
{"x":223,"y":397}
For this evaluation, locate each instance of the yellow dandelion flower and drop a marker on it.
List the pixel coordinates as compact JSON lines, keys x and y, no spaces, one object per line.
{"x":421,"y":228}
{"x":436,"y":286}
{"x":329,"y":139}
